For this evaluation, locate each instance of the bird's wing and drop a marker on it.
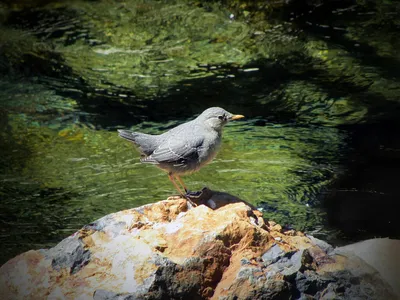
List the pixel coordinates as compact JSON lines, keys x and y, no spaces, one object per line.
{"x":176,"y":150}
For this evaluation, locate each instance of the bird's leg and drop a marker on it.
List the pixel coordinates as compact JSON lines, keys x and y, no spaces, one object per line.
{"x":171,"y":177}
{"x":188,"y":193}
{"x":181,"y":182}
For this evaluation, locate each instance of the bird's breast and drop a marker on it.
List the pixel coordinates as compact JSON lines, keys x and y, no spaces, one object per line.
{"x":209,"y":149}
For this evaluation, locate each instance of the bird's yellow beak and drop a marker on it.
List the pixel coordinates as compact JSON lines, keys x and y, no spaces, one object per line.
{"x":235,"y":117}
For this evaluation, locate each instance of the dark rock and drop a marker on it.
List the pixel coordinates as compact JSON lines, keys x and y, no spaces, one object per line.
{"x":332,"y":291}
{"x":251,"y":284}
{"x":106,"y":295}
{"x":310,"y":282}
{"x":70,"y":253}
{"x":174,"y":281}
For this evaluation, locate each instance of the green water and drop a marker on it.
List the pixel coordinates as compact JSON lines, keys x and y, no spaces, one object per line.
{"x":73,"y":73}
{"x":58,"y":177}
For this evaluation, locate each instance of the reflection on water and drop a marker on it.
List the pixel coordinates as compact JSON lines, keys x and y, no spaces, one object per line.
{"x":313,"y":90}
{"x":56,"y":179}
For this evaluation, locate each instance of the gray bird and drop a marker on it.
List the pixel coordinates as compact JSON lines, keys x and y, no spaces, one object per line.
{"x":185,"y":148}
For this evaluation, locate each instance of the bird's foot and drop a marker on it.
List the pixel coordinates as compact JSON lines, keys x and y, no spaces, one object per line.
{"x":177,"y":197}
{"x":188,"y":198}
{"x":193,"y":194}
{"x":191,"y":202}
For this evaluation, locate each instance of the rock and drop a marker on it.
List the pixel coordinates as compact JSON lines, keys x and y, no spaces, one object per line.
{"x":69,"y":254}
{"x":273,"y":254}
{"x":321,"y":244}
{"x":168,"y":250}
{"x":382,"y":254}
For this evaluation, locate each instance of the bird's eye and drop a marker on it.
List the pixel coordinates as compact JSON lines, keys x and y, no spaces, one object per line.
{"x":221,"y":117}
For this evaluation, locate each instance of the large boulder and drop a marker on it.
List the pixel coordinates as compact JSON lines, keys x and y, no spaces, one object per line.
{"x":382,"y":254}
{"x":171,"y":250}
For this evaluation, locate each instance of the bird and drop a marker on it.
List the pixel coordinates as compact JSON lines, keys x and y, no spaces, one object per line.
{"x":185,"y":148}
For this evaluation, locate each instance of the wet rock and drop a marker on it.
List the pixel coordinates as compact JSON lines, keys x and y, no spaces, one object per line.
{"x":169,"y":250}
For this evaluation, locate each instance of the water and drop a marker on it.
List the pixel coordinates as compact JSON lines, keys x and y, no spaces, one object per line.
{"x":319,"y":85}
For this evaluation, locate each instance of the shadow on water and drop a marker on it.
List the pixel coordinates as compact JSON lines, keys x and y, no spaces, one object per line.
{"x":362,"y":202}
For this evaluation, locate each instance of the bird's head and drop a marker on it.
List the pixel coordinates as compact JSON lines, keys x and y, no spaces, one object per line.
{"x":217,"y":117}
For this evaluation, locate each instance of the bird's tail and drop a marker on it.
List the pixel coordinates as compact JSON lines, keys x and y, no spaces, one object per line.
{"x":128,"y":135}
{"x":145,"y":142}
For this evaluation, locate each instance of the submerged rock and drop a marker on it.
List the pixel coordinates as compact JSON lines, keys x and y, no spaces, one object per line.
{"x":169,"y":250}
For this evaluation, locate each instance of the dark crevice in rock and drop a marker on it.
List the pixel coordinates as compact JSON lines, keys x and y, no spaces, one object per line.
{"x":107,"y":295}
{"x":173,"y":281}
